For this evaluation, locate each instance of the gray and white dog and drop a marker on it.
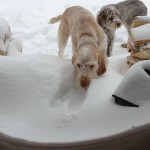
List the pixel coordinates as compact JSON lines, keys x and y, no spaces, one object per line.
{"x":112,"y":16}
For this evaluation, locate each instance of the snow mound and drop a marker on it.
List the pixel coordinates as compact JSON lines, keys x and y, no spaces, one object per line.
{"x":39,"y":98}
{"x":41,"y":102}
{"x":140,"y":33}
{"x":134,"y":88}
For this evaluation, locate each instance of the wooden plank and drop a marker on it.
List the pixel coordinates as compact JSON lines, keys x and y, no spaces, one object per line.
{"x":145,"y":54}
{"x":2,"y":52}
{"x":140,"y":20}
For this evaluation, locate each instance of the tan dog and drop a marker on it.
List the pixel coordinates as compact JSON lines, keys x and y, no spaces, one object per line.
{"x":89,"y":43}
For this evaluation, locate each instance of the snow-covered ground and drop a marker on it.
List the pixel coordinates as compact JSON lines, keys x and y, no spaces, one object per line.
{"x":29,"y":22}
{"x":38,"y":97}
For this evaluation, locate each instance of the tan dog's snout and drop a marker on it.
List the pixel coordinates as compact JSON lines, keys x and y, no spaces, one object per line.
{"x":85,"y":81}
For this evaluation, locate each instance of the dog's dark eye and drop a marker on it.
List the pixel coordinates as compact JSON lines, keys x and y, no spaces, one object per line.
{"x":111,"y":18}
{"x":117,"y":14}
{"x":102,"y":16}
{"x":91,"y":66}
{"x":78,"y":65}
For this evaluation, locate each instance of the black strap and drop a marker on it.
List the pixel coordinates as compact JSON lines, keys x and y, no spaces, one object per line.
{"x":147,"y":71}
{"x":123,"y":102}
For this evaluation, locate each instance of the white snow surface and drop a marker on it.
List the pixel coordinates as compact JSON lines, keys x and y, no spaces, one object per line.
{"x":39,"y":99}
{"x":136,"y":84}
{"x":140,"y":33}
{"x":144,"y":18}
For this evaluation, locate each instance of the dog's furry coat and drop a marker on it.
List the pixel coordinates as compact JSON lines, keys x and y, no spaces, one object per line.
{"x":89,"y":43}
{"x":111,"y":16}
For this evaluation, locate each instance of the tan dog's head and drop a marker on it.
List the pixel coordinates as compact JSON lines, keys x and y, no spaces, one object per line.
{"x":89,"y":64}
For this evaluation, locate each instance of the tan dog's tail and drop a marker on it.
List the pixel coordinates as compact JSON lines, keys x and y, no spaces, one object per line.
{"x":55,"y":19}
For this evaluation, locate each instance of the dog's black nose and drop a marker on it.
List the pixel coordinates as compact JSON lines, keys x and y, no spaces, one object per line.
{"x":84,"y":82}
{"x":118,"y":24}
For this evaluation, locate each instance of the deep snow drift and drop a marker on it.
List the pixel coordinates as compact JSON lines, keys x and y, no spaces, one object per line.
{"x":39,"y":98}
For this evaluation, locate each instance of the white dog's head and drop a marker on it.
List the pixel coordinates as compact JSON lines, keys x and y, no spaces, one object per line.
{"x":109,"y":17}
{"x":89,"y":64}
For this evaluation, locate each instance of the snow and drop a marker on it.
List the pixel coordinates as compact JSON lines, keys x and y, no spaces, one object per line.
{"x":14,"y":48}
{"x":5,"y":35}
{"x":145,"y":46}
{"x":140,"y":33}
{"x":143,"y":18}
{"x":39,"y":98}
{"x":139,"y":78}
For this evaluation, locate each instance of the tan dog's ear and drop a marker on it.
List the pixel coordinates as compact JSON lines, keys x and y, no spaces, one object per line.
{"x":73,"y":59}
{"x":101,"y":66}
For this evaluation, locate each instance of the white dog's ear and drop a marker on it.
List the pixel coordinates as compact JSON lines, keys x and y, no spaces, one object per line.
{"x":73,"y":59}
{"x":102,"y":15}
{"x":101,"y":65}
